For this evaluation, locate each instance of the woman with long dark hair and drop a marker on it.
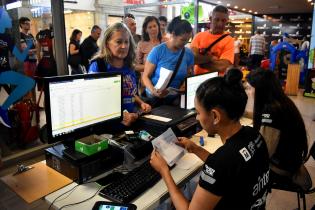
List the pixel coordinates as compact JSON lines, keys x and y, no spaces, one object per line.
{"x":74,"y":57}
{"x":280,"y":122}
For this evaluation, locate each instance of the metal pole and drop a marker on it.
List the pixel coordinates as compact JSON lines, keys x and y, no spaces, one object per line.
{"x":196,"y":12}
{"x":58,"y":20}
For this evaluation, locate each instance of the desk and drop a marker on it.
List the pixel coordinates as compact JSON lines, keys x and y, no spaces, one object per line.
{"x":151,"y":198}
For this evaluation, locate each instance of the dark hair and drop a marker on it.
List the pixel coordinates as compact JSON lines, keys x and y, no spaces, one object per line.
{"x":270,"y":95}
{"x":220,"y":8}
{"x":129,"y":15}
{"x":147,"y":20}
{"x":94,"y":28}
{"x":163,"y":18}
{"x":179,"y":26}
{"x":226,"y":93}
{"x":22,"y":20}
{"x":74,"y":34}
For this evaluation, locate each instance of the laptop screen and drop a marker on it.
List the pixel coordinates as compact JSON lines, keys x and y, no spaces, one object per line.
{"x":192,"y":84}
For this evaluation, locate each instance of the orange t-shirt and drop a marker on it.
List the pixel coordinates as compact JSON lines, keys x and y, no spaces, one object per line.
{"x":224,"y":49}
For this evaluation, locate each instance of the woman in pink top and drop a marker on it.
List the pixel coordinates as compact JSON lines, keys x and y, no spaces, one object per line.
{"x":151,"y":36}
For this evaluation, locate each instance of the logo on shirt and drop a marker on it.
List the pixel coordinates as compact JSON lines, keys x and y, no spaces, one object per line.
{"x":246,"y":155}
{"x":209,"y":170}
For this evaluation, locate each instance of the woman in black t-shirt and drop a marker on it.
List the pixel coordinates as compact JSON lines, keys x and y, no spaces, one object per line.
{"x":280,"y":122}
{"x":236,"y":175}
{"x":74,"y":57}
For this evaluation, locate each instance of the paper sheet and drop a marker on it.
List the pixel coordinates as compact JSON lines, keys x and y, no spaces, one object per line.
{"x":158,"y":118}
{"x":165,"y":145}
{"x":165,"y":76}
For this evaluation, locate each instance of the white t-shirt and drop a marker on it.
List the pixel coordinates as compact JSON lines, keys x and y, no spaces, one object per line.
{"x":237,"y":45}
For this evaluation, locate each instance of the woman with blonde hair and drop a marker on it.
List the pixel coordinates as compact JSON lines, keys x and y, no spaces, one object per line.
{"x":117,"y":55}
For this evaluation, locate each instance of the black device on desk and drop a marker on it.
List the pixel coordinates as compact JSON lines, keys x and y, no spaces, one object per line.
{"x":104,"y":205}
{"x":183,"y":122}
{"x":78,"y":106}
{"x":131,"y":185}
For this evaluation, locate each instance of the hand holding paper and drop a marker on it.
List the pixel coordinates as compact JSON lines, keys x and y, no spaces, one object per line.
{"x":165,"y":144}
{"x":165,"y":76}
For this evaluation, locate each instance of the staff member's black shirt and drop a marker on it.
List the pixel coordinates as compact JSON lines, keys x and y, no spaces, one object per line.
{"x":88,"y":48}
{"x":239,"y":172}
{"x":6,"y":46}
{"x":288,"y":154}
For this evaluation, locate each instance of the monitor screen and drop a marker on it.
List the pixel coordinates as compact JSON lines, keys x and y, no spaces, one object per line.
{"x":192,"y":83}
{"x":76,"y":105}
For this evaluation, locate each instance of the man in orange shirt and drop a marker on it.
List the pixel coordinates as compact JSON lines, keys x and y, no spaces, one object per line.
{"x":221,"y":54}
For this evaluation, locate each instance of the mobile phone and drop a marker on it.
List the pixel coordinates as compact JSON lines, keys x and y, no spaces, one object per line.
{"x":104,"y":205}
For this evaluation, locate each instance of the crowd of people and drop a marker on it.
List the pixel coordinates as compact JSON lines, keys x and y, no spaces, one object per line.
{"x":237,"y":175}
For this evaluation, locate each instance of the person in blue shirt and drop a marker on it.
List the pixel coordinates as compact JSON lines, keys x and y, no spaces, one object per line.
{"x":117,"y":55}
{"x":163,"y":58}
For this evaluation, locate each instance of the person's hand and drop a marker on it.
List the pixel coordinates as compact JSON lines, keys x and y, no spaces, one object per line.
{"x":129,"y":118}
{"x":158,"y":162}
{"x":159,"y":93}
{"x":145,"y":107}
{"x":187,"y":144}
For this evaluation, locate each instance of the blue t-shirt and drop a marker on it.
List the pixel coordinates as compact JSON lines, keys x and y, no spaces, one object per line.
{"x":161,"y":56}
{"x":129,"y":84}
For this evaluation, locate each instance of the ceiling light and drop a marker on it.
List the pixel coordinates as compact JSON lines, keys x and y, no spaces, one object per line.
{"x":228,"y":5}
{"x":312,"y":3}
{"x":256,"y":13}
{"x":309,"y":0}
{"x":235,"y":7}
{"x":250,"y":11}
{"x":243,"y":9}
{"x":219,"y":2}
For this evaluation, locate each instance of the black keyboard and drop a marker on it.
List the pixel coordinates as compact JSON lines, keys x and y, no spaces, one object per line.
{"x":132,"y":184}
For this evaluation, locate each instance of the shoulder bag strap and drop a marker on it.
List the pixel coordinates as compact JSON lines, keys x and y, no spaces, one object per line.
{"x":216,"y":41}
{"x":179,"y":61}
{"x":101,"y":64}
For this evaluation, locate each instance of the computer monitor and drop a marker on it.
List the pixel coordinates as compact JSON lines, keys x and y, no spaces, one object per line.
{"x":192,"y":84}
{"x":76,"y":106}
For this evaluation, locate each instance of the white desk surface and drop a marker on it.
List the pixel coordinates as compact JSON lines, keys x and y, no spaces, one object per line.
{"x":150,"y":199}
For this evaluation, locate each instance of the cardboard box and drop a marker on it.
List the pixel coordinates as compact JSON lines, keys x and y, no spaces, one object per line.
{"x":91,"y":144}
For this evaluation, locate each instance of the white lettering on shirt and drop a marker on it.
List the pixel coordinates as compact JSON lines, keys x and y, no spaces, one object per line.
{"x":262,"y":182}
{"x":246,"y":155}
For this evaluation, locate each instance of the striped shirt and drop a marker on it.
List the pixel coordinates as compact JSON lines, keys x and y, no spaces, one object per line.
{"x":257,"y":43}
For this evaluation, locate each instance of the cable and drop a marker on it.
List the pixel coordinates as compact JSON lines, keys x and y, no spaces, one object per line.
{"x":72,"y":204}
{"x":72,"y":189}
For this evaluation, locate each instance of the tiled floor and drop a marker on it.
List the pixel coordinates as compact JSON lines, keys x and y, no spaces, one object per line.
{"x":281,"y":200}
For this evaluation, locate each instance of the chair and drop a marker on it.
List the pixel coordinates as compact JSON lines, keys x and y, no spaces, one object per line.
{"x":292,"y":187}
